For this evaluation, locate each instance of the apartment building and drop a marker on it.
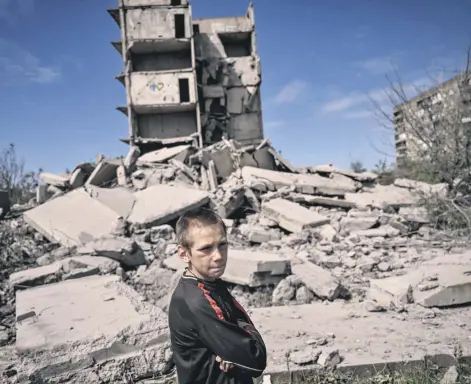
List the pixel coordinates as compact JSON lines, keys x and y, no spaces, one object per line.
{"x":430,"y":116}
{"x":187,"y":80}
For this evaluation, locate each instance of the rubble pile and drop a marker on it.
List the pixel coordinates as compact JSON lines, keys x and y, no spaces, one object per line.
{"x":299,"y":237}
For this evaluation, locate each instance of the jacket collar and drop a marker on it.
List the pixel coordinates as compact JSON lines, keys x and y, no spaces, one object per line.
{"x":191,"y":278}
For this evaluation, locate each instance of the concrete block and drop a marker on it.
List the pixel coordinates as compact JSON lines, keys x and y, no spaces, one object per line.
{"x":41,"y":193}
{"x":161,"y":204}
{"x":356,"y":224}
{"x":124,"y":250}
{"x":384,"y":231}
{"x":56,"y":180}
{"x":249,"y":268}
{"x":304,"y":183}
{"x":73,"y":219}
{"x":104,"y":264}
{"x":104,"y":173}
{"x":120,"y":200}
{"x":212,"y":176}
{"x":78,"y":178}
{"x":318,"y":280}
{"x":396,"y":290}
{"x":162,"y":155}
{"x":320,"y":200}
{"x":121,"y":176}
{"x":223,"y":161}
{"x":36,"y":276}
{"x":96,"y":317}
{"x":291,"y":216}
{"x":444,"y":286}
{"x":383,"y":196}
{"x":359,"y":176}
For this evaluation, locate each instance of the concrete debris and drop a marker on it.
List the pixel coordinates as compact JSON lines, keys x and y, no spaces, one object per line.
{"x":104,"y":237}
{"x":440,"y":284}
{"x":317,"y":279}
{"x":80,"y":323}
{"x":291,"y":216}
{"x":253,"y":269}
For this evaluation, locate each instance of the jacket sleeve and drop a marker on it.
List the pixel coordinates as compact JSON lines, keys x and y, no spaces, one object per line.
{"x":240,"y":345}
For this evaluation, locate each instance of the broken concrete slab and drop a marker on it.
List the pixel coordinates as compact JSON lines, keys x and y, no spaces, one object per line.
{"x":440,"y":189}
{"x":258,"y":234}
{"x":396,"y":291}
{"x":383,"y":231}
{"x":359,"y":176}
{"x":104,"y":264}
{"x":320,"y":200}
{"x":56,"y":180}
{"x":317,"y":279}
{"x":124,"y":250}
{"x":442,"y":285}
{"x":355,"y":224}
{"x":77,"y":178}
{"x":78,"y":273}
{"x":73,"y":219}
{"x":223,"y":161}
{"x":36,"y":276}
{"x":291,"y":216}
{"x":383,"y":196}
{"x":104,"y":173}
{"x":253,"y":269}
{"x":161,"y":204}
{"x":41,"y":193}
{"x":86,"y":319}
{"x":304,"y":183}
{"x":415,"y":214}
{"x":230,"y":203}
{"x":119,"y":199}
{"x":162,"y":155}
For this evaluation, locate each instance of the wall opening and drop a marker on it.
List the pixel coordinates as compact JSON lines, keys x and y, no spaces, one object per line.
{"x":196,"y":29}
{"x":180,"y":26}
{"x":236,"y":44}
{"x":176,"y":2}
{"x":161,"y":61}
{"x":184,"y":88}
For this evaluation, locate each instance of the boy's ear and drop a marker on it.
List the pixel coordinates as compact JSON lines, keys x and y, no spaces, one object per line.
{"x":183,"y":254}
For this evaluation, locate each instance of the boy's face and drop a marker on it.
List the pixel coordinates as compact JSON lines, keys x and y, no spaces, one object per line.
{"x":207,"y":256}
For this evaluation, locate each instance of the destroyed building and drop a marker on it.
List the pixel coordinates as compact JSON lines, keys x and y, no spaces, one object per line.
{"x":188,"y":80}
{"x":330,"y":263}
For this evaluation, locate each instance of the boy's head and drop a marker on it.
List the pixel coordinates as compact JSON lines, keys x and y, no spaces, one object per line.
{"x":202,"y":243}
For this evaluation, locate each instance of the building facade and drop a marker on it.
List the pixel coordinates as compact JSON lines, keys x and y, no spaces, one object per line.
{"x":429,"y":120}
{"x":188,"y":80}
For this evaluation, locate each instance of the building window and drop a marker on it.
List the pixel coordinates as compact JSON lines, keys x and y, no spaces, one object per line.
{"x":184,"y":88}
{"x":180,"y":26}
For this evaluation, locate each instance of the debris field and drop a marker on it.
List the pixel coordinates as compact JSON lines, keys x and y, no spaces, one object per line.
{"x":335,"y":268}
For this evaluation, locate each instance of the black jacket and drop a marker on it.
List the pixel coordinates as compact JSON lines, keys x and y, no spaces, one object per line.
{"x":206,"y":321}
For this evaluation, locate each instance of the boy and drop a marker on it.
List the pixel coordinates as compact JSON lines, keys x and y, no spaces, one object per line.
{"x":213,"y":339}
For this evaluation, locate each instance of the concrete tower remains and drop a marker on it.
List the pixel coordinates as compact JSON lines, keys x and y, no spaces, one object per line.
{"x":188,"y":80}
